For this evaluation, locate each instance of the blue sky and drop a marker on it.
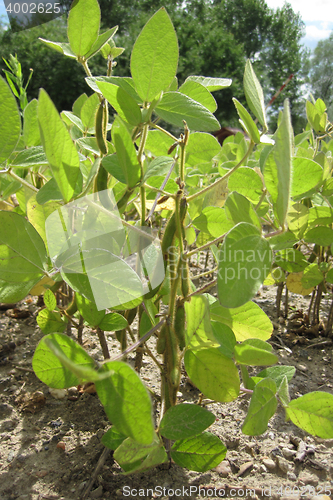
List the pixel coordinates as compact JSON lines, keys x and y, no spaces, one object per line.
{"x":317,"y":15}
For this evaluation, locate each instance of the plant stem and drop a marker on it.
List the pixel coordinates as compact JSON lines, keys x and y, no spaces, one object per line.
{"x":103,"y":343}
{"x":187,"y":255}
{"x":152,"y":124}
{"x":225,"y":176}
{"x":22,"y":181}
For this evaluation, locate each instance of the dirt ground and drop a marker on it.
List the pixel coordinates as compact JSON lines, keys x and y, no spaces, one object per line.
{"x":49,"y":447}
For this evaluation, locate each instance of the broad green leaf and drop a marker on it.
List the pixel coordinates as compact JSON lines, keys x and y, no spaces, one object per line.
{"x":10,"y":124}
{"x":321,"y":235}
{"x":313,"y":413}
{"x":113,"y":322}
{"x":198,"y":330}
{"x":31,"y":133}
{"x":58,"y":146}
{"x":213,"y":220}
{"x":154,"y":57}
{"x":49,"y":192}
{"x":123,"y":103}
{"x":262,"y":407}
{"x":329,"y":276}
{"x":126,"y":402}
{"x":77,"y":106}
{"x":282,"y":241}
{"x":199,"y":453}
{"x":37,"y":214}
{"x":247,"y":123}
{"x":297,"y":219}
{"x":89,"y":310}
{"x":282,"y":152}
{"x":312,"y":276}
{"x":63,"y":48}
{"x":215,"y":375}
{"x":199,"y":93}
{"x":277,"y":373}
{"x":211,"y":84}
{"x":254,"y":94}
{"x":158,"y":143}
{"x":201,"y":148}
{"x":291,"y":260}
{"x":50,"y":370}
{"x":14,"y":292}
{"x":22,"y":251}
{"x":320,"y":216}
{"x":50,"y":322}
{"x":307,"y":174}
{"x":158,"y":166}
{"x":316,"y":117}
{"x":49,"y":300}
{"x":185,"y":420}
{"x":254,"y":352}
{"x":113,"y":438}
{"x":88,"y":112}
{"x":225,"y":337}
{"x":135,"y":457}
{"x":126,"y":83}
{"x":245,"y":260}
{"x":29,"y":158}
{"x":90,"y":144}
{"x":102,"y":39}
{"x":174,"y":108}
{"x":126,"y":152}
{"x":83,"y":26}
{"x":247,"y":321}
{"x":70,"y":118}
{"x":112,"y":165}
{"x":247,"y":183}
{"x":240,"y":209}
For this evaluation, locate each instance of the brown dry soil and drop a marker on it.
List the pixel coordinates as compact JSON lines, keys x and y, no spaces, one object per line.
{"x":49,"y":447}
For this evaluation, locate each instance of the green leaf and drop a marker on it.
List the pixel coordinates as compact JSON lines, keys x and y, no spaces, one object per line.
{"x":126,"y":402}
{"x":102,"y":39}
{"x":199,"y":453}
{"x":158,"y":166}
{"x":254,"y":352}
{"x":125,"y":83}
{"x":282,"y":152}
{"x":254,"y":94}
{"x":320,"y":216}
{"x":113,"y":438}
{"x":31,"y":133}
{"x":175,"y":107}
{"x":213,"y":220}
{"x":83,"y":26}
{"x":201,"y":148}
{"x":90,"y":144}
{"x":70,"y":118}
{"x":321,"y":235}
{"x":247,"y":123}
{"x":135,"y":457}
{"x":329,"y":275}
{"x":244,"y":262}
{"x":247,"y":183}
{"x":14,"y":292}
{"x":307,"y":174}
{"x":88,"y":112}
{"x":50,"y":370}
{"x":126,"y":152}
{"x":240,"y":209}
{"x":49,"y":300}
{"x":89,"y":310}
{"x":113,"y":322}
{"x":77,"y":106}
{"x":154,"y":57}
{"x":63,"y":48}
{"x":158,"y":143}
{"x":58,"y":146}
{"x":225,"y":337}
{"x":199,"y":93}
{"x":247,"y":321}
{"x":50,"y":322}
{"x":211,"y":84}
{"x":215,"y":375}
{"x":185,"y":420}
{"x":282,"y":241}
{"x":112,"y":165}
{"x":122,"y":102}
{"x":312,"y":275}
{"x":22,"y":251}
{"x":198,"y":329}
{"x":262,"y":407}
{"x":277,"y":373}
{"x":49,"y":192}
{"x":29,"y":158}
{"x":10,"y":125}
{"x":283,"y":392}
{"x":313,"y":413}
{"x":291,"y":260}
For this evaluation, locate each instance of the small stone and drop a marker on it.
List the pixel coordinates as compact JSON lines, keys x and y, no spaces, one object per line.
{"x":302,"y":368}
{"x":97,"y":493}
{"x":283,"y":464}
{"x":262,"y":469}
{"x":307,"y":478}
{"x":223,"y":469}
{"x":245,"y":469}
{"x":271,"y":435}
{"x":72,"y":391}
{"x":61,"y":445}
{"x":11,"y":456}
{"x":58,"y":393}
{"x":41,"y":473}
{"x":291,"y":476}
{"x":269,"y":463}
{"x":288,"y":454}
{"x":320,"y":497}
{"x":82,"y":485}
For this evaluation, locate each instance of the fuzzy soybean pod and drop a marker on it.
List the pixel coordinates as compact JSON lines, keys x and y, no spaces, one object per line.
{"x":179,"y":326}
{"x":171,"y":227}
{"x":101,"y":121}
{"x":160,"y":346}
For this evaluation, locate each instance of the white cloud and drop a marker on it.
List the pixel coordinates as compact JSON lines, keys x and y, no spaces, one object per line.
{"x":315,"y":33}
{"x":320,"y":10}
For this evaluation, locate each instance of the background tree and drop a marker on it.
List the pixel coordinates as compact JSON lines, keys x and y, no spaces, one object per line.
{"x":321,"y":73}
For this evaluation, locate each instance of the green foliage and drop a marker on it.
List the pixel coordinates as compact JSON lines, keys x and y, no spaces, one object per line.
{"x":91,"y":208}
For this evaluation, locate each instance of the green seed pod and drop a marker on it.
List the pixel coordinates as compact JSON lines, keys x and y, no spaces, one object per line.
{"x":101,"y":121}
{"x":180,"y":326}
{"x":175,"y":375}
{"x":160,"y":346}
{"x":185,"y":277}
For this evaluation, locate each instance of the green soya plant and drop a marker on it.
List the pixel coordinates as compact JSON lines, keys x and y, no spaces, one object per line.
{"x":87,"y":201}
